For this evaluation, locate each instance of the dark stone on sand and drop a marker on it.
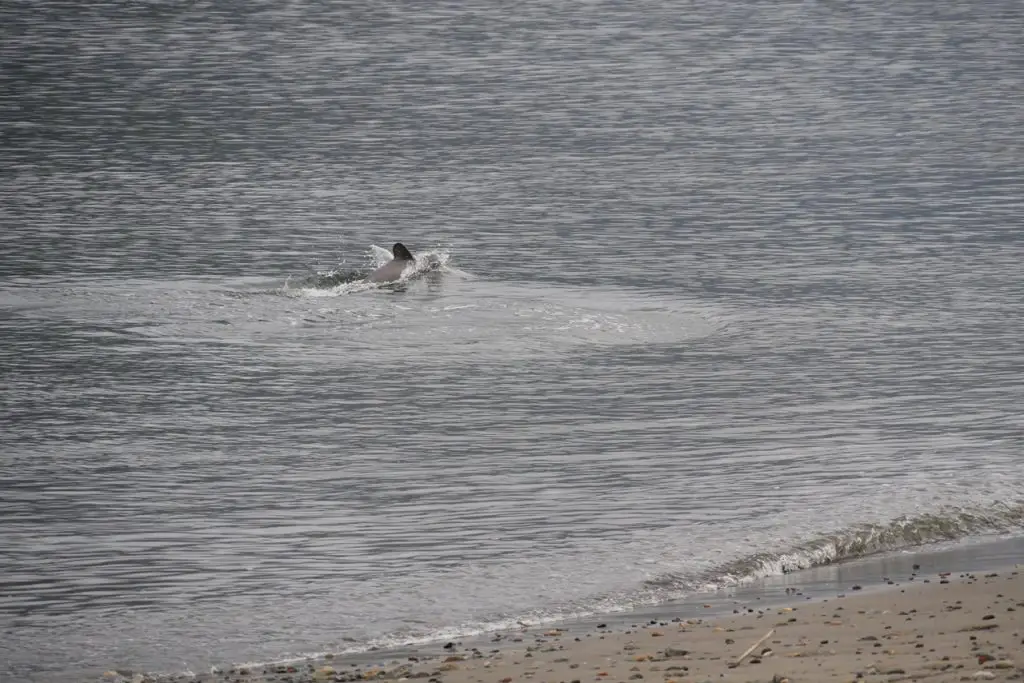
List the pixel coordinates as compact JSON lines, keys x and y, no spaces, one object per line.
{"x":449,"y":646}
{"x":988,"y":617}
{"x":675,"y":652}
{"x":855,"y":588}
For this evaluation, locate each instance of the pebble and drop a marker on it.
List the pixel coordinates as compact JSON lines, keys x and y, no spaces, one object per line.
{"x":999,"y":664}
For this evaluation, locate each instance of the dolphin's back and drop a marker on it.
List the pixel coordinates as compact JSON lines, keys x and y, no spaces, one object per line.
{"x":389,"y":272}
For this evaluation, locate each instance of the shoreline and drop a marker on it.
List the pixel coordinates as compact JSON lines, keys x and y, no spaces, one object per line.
{"x":943,"y":628}
{"x":535,"y":652}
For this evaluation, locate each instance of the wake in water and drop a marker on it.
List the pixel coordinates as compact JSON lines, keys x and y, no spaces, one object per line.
{"x":449,"y":311}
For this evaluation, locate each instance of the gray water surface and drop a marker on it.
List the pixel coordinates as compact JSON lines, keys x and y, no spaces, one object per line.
{"x":725,"y":288}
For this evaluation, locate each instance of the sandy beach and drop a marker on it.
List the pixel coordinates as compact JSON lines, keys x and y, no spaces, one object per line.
{"x":937,"y":627}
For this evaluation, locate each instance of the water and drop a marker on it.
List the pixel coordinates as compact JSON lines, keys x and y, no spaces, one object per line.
{"x":725,"y":289}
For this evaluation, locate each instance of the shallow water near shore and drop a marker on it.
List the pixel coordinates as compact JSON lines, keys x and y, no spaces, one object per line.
{"x":703,"y":297}
{"x":875,"y":573}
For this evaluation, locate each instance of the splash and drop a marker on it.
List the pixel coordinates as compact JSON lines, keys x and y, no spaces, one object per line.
{"x":344,"y":281}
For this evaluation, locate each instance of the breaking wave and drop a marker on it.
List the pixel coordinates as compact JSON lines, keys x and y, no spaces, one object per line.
{"x":859,"y":541}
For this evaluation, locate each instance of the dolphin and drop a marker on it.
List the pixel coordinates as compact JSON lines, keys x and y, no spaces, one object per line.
{"x":393,"y":269}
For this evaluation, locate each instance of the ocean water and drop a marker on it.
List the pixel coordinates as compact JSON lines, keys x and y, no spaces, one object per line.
{"x":719,"y":290}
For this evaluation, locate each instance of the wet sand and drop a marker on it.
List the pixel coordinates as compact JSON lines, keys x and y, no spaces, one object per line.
{"x":930,"y":626}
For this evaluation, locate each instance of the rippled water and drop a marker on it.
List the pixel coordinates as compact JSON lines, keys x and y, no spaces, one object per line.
{"x":726,"y":288}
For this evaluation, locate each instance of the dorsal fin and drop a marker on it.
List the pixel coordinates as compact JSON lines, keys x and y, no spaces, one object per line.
{"x":400,"y":252}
